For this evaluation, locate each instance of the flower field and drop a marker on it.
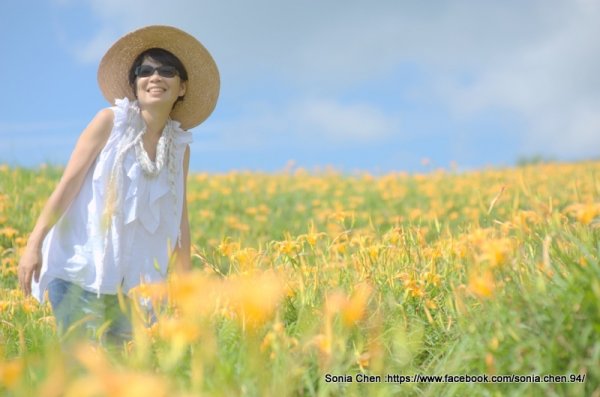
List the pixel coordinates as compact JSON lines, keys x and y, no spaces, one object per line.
{"x":314,"y":284}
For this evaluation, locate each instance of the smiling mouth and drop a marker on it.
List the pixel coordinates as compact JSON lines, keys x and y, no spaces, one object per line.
{"x":156,"y":89}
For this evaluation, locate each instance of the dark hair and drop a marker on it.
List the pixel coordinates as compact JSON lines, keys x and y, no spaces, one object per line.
{"x":161,"y":56}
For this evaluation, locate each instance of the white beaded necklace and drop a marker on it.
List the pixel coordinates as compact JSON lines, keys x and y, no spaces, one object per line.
{"x":165,"y":154}
{"x":163,"y":148}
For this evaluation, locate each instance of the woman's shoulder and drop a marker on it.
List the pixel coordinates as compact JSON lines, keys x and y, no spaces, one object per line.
{"x":102,"y":123}
{"x":104,"y":126}
{"x":105,"y":117}
{"x":181,"y":137}
{"x":95,"y":135}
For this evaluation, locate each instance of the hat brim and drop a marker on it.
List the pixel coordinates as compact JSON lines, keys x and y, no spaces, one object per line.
{"x":203,"y":82}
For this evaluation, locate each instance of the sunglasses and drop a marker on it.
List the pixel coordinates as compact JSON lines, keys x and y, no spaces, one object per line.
{"x":163,"y":71}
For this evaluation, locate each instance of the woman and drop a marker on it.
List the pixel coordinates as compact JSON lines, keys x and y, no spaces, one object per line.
{"x":118,"y":217}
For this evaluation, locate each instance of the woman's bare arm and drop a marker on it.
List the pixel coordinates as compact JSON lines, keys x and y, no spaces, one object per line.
{"x":90,"y":143}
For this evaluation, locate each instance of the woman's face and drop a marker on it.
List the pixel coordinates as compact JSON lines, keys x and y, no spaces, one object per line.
{"x":156,"y":89}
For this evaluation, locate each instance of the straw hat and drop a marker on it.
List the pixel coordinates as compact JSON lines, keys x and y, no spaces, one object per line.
{"x":203,"y":76}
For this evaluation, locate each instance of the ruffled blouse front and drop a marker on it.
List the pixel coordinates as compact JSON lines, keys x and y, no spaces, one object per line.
{"x":134,"y":244}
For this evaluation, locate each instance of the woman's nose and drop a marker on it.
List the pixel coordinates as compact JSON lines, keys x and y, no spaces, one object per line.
{"x":155,"y":76}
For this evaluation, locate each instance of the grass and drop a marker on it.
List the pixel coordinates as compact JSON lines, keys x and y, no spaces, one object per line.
{"x":299,"y":275}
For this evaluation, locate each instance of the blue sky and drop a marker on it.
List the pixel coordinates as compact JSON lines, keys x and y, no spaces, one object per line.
{"x":357,"y":85}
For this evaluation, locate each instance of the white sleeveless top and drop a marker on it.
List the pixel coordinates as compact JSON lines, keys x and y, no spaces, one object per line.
{"x":135,"y":248}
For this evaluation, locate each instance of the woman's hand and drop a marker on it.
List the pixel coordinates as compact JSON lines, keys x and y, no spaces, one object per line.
{"x":30,"y":265}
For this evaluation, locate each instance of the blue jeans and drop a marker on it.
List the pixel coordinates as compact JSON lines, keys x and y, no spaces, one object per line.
{"x":80,"y":313}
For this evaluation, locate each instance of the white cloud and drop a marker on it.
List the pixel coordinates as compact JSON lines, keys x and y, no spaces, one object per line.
{"x":355,"y":122}
{"x":301,"y":123}
{"x":550,"y":81}
{"x":537,"y":59}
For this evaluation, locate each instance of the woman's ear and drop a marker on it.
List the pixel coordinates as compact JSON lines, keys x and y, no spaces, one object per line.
{"x":182,"y":88}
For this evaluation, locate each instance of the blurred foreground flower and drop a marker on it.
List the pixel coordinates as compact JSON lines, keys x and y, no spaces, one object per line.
{"x":482,"y":285}
{"x":584,"y":213}
{"x":356,"y":307}
{"x":10,"y":373}
{"x":8,"y":232}
{"x":496,"y":252}
{"x":179,"y":331}
{"x":254,"y":298}
{"x":352,"y":309}
{"x":105,"y":380}
{"x":195,"y":293}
